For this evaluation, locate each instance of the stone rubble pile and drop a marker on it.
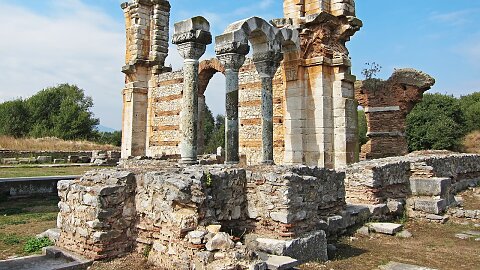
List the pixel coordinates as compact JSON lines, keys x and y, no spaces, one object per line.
{"x":105,"y":157}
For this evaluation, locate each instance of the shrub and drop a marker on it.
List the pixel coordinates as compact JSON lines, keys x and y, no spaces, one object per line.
{"x":36,"y":244}
{"x":436,"y":123}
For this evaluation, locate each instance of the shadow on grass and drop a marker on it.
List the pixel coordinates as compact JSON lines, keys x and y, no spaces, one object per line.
{"x":345,"y":252}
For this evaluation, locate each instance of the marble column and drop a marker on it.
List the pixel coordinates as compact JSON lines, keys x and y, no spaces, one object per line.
{"x":232,"y":63}
{"x":267,"y":64}
{"x":191,"y":36}
{"x":201,"y":124}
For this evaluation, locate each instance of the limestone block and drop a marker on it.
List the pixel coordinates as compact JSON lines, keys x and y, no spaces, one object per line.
{"x":385,"y":228}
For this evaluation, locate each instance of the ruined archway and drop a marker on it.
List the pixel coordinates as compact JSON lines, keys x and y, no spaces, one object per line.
{"x":207,"y":70}
{"x":231,"y":47}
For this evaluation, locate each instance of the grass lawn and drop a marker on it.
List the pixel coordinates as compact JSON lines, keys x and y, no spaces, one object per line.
{"x":21,"y":219}
{"x":26,"y":171}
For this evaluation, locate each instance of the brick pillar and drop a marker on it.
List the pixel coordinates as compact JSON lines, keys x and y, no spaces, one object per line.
{"x":147,"y":47}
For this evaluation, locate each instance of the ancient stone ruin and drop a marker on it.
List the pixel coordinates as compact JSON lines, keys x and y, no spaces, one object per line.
{"x":386,"y":105}
{"x":291,"y":104}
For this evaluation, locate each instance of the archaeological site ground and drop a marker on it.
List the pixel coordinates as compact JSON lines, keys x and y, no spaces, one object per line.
{"x":290,"y":189}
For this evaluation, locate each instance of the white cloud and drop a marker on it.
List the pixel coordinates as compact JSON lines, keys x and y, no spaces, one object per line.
{"x":73,"y":43}
{"x":454,"y":18}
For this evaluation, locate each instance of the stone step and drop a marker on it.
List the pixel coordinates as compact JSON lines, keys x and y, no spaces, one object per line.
{"x":275,"y":262}
{"x":430,"y":186}
{"x":430,"y":206}
{"x":385,"y":228}
{"x":310,"y":247}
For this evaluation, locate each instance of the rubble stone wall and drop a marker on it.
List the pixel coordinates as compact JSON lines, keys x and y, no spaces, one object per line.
{"x":164,"y":107}
{"x":97,"y":214}
{"x":111,"y":212}
{"x":377,"y":181}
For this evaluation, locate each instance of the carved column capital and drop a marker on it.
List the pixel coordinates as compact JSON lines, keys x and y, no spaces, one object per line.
{"x":232,"y":61}
{"x":191,"y":50}
{"x":267,"y":63}
{"x":192,"y":37}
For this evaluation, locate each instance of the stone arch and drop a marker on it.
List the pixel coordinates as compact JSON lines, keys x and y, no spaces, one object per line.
{"x":267,"y":42}
{"x":206,"y":70}
{"x":263,"y":36}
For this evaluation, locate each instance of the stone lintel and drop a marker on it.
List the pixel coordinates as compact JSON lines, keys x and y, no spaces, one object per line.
{"x":135,"y":90}
{"x":341,"y":62}
{"x":317,"y":61}
{"x":385,"y":134}
{"x":382,"y":109}
{"x":345,"y":77}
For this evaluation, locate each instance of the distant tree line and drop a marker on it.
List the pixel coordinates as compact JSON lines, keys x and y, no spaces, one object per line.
{"x":63,"y":111}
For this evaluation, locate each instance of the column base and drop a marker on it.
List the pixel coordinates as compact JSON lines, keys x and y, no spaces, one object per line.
{"x":232,"y":162}
{"x":268,"y":162}
{"x":188,"y":161}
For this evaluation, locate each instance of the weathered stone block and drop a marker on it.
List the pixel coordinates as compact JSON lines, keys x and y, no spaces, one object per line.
{"x":385,"y":228}
{"x":431,"y":206}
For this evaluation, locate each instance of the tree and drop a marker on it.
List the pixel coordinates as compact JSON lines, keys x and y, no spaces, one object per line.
{"x":218,"y":136}
{"x":208,"y":127}
{"x":112,"y":138}
{"x":470,"y":106}
{"x":63,"y":112}
{"x":436,"y":123}
{"x":14,"y":117}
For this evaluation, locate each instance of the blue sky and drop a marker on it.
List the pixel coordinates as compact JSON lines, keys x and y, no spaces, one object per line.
{"x":47,"y":42}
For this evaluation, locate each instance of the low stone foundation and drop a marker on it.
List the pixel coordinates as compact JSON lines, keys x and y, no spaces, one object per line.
{"x":425,"y":181}
{"x":168,"y":212}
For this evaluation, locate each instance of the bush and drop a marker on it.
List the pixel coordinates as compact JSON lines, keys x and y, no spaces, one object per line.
{"x":470,"y":106}
{"x":62,"y":111}
{"x":36,"y":244}
{"x":436,"y":123}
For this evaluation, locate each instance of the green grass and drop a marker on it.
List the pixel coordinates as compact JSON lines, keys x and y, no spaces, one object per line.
{"x":44,"y":171}
{"x":21,"y":220}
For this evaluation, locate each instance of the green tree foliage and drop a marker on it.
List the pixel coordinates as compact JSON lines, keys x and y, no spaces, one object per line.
{"x":112,"y":138}
{"x":362,"y":128}
{"x":208,"y":126}
{"x":218,"y":135}
{"x":470,"y":105}
{"x":436,"y":123}
{"x":14,"y":117}
{"x":62,"y":111}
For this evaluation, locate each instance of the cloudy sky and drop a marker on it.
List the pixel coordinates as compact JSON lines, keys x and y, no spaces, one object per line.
{"x":48,"y":42}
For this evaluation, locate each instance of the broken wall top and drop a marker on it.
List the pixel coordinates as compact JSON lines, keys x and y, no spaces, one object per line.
{"x":296,"y":9}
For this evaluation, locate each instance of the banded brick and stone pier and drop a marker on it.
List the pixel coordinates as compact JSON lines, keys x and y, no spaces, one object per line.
{"x":387,"y":104}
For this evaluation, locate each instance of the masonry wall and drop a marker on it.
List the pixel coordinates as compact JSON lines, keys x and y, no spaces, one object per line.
{"x":378,"y":181}
{"x":111,"y":212}
{"x":386,"y":105}
{"x":164,"y":107}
